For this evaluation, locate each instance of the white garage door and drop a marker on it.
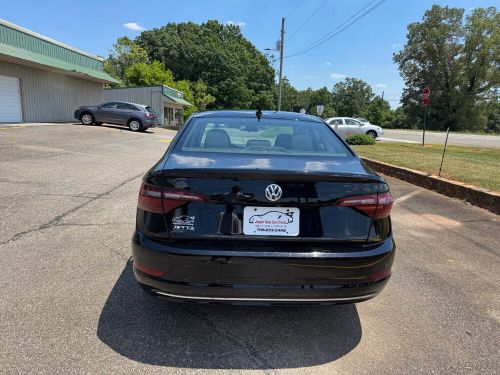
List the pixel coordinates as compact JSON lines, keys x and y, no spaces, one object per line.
{"x":10,"y":100}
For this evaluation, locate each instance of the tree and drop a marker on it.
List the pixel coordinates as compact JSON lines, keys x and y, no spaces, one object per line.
{"x":309,"y":99}
{"x":321,"y":97}
{"x":351,"y":97}
{"x":480,"y":68}
{"x":288,"y":96}
{"x":142,"y":74}
{"x":123,"y":55}
{"x":201,"y":96}
{"x":304,"y":100}
{"x":378,"y":111}
{"x":460,"y":62}
{"x":395,"y":119}
{"x":236,"y":73}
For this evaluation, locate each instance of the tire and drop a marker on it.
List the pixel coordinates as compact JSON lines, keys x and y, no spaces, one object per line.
{"x":372,"y":133}
{"x":134,"y":125}
{"x":87,"y":118}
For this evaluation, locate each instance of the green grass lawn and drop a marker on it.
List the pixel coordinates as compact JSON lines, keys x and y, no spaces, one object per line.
{"x":472,"y":165}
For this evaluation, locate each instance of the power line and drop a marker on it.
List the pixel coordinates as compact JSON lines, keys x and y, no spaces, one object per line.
{"x":367,"y":9}
{"x":307,"y":20}
{"x":293,"y":8}
{"x":370,"y":7}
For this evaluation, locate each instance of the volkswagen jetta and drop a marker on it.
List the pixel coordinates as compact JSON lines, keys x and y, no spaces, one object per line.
{"x":262,"y":207}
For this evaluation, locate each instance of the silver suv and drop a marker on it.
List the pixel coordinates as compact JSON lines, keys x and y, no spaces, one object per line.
{"x":137,"y":117}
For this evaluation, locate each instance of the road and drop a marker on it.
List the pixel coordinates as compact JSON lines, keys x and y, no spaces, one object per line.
{"x":69,"y":304}
{"x":477,"y":140}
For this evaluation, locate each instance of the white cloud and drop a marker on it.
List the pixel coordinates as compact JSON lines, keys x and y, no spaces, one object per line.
{"x":337,"y":75}
{"x":133,"y":26}
{"x":328,"y":63}
{"x":380,"y":86}
{"x":240,"y":23}
{"x":395,"y":45}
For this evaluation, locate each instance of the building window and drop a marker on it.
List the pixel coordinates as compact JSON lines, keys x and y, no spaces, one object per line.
{"x":168,"y":114}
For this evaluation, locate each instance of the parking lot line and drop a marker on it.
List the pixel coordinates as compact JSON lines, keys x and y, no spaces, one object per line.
{"x":12,"y":127}
{"x":396,"y":140}
{"x":408,"y":196}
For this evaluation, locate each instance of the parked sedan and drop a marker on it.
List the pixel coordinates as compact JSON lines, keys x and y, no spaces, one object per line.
{"x":264,"y":208}
{"x":137,"y":117}
{"x":346,"y":126}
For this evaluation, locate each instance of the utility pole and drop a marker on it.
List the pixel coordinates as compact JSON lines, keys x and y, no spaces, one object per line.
{"x":382,"y":95}
{"x":282,"y":40}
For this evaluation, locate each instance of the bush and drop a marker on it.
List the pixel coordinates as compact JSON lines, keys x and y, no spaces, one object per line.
{"x":360,"y":139}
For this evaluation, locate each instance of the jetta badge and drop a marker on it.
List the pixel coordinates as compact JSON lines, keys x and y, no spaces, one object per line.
{"x":273,"y":192}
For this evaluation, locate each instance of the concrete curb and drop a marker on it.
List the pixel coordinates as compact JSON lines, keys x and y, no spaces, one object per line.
{"x":472,"y":194}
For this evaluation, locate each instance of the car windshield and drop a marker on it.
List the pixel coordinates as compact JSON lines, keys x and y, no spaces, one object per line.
{"x":267,"y":136}
{"x":149,"y":109}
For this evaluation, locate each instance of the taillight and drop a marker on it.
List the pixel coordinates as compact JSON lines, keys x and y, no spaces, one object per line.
{"x":150,"y":115}
{"x":376,"y":206}
{"x":150,"y":199}
{"x":158,"y":200}
{"x":176,"y":198}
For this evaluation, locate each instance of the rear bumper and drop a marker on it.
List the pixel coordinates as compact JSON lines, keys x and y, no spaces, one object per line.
{"x":149,"y":123}
{"x":196,"y":275}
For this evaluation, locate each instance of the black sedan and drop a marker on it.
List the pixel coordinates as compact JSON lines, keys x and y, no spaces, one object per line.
{"x":262,"y":207}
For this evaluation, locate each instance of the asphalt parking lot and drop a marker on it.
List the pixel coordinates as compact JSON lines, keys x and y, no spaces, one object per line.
{"x":69,"y":303}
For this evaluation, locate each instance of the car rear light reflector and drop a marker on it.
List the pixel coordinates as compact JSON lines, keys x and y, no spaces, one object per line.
{"x":380,"y":275}
{"x":149,"y":271}
{"x":376,"y":206}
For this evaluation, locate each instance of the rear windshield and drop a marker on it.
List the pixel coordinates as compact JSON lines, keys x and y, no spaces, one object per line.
{"x":267,"y":136}
{"x":150,"y":110}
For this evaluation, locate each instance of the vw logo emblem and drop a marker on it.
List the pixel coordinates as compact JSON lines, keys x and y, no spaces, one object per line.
{"x":273,"y":192}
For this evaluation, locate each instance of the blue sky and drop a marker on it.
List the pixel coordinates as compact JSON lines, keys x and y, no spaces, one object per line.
{"x":363,"y":51}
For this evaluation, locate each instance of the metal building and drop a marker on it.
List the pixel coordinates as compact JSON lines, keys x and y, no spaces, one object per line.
{"x":43,"y":80}
{"x":167,"y":102}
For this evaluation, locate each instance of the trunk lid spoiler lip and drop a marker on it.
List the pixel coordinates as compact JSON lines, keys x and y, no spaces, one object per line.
{"x":260,"y":174}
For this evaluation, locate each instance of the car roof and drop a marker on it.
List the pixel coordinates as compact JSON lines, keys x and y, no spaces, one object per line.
{"x":252,"y":113}
{"x":121,"y":101}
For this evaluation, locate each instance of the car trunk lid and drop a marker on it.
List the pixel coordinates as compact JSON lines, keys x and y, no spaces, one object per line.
{"x":213,"y":200}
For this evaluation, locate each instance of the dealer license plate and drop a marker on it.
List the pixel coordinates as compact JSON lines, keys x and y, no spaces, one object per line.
{"x":271,"y":221}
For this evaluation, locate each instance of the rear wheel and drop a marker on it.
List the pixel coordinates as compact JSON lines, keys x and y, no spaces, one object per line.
{"x":87,"y":118}
{"x":98,"y":123}
{"x":372,"y":133}
{"x":134,"y":125}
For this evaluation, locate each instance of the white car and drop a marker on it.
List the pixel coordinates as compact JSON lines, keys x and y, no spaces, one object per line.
{"x":346,"y":126}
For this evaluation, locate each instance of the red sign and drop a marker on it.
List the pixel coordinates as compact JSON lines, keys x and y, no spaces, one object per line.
{"x":425,"y":96}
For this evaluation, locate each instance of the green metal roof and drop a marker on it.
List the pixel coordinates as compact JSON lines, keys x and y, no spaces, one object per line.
{"x":175,"y":95}
{"x":22,"y":44}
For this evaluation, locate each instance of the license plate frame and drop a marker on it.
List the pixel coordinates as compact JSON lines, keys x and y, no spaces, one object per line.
{"x":271,"y":221}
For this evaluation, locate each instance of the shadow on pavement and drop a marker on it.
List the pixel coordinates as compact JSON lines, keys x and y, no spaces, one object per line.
{"x":113,"y":126}
{"x":154,"y":331}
